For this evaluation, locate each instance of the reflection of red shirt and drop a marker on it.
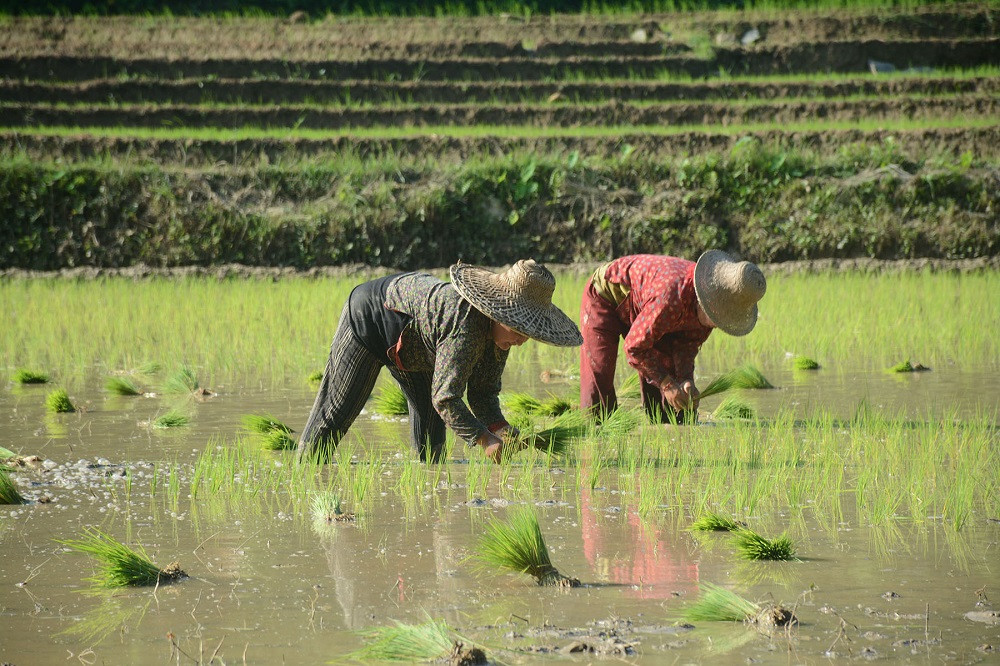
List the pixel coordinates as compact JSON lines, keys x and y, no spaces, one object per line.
{"x":640,"y":558}
{"x":661,"y":313}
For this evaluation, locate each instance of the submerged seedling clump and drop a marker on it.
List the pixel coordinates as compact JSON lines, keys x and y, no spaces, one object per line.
{"x":804,"y":363}
{"x":315,"y":377}
{"x":119,"y":565}
{"x":753,"y":546}
{"x":517,"y":545}
{"x":733,"y":407}
{"x":717,"y":604}
{"x":326,"y":509}
{"x":391,"y":401}
{"x":121,"y":386}
{"x":433,"y":640}
{"x":58,"y":401}
{"x":182,"y":381}
{"x":24,"y":376}
{"x":906,"y":366}
{"x":172,"y":419}
{"x":8,"y":490}
{"x":713,"y":522}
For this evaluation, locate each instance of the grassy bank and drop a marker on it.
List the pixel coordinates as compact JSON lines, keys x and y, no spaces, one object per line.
{"x":766,"y":203}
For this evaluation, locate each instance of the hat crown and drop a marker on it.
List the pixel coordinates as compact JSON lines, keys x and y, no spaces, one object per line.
{"x":530,"y":281}
{"x":742,"y":283}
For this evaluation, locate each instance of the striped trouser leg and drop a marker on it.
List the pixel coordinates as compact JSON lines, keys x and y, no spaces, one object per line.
{"x":348,"y":380}
{"x":427,"y":430}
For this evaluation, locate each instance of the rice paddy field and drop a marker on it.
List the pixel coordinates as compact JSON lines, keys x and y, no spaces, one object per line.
{"x":188,"y":202}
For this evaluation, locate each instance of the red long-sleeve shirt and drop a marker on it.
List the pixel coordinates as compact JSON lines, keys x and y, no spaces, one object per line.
{"x":661,"y":312}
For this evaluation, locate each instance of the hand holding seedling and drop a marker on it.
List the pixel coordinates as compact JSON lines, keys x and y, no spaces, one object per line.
{"x":501,"y":441}
{"x":681,"y":397}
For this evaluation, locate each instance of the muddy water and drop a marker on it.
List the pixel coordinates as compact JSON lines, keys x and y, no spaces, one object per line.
{"x":269,"y":587}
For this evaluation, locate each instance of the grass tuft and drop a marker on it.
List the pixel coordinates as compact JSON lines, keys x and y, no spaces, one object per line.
{"x":121,"y":386}
{"x":182,"y":381}
{"x":433,"y":640}
{"x":752,"y":546}
{"x":517,"y":545}
{"x":58,"y":401}
{"x":744,"y":377}
{"x":119,"y":565}
{"x":8,"y":490}
{"x":262,"y":424}
{"x":713,"y":522}
{"x":24,"y":376}
{"x":172,"y":419}
{"x":804,"y":363}
{"x":733,"y":407}
{"x":391,"y":401}
{"x":717,"y":604}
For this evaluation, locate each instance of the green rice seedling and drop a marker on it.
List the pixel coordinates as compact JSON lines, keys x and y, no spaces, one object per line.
{"x":752,"y":546}
{"x":564,"y":429}
{"x":315,"y":377}
{"x":517,"y":544}
{"x":119,"y":565}
{"x":717,"y":604}
{"x":733,"y":407}
{"x":620,"y":423}
{"x":277,"y":440}
{"x":121,"y":386}
{"x":629,"y":390}
{"x":262,"y":424}
{"x":522,"y":403}
{"x":148,"y":369}
{"x":804,"y":363}
{"x":906,"y":366}
{"x":554,"y":406}
{"x":433,"y":640}
{"x":172,"y":419}
{"x":25,"y":376}
{"x":326,"y":508}
{"x":182,"y":381}
{"x":744,"y":377}
{"x":391,"y":401}
{"x":58,"y":401}
{"x":8,"y":490}
{"x":713,"y":522}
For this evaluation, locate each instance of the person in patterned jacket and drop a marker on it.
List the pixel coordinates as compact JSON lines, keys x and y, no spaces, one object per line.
{"x":664,"y":308}
{"x":440,"y":341}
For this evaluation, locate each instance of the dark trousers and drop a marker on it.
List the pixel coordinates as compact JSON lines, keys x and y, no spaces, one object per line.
{"x":348,"y":380}
{"x":602,"y":327}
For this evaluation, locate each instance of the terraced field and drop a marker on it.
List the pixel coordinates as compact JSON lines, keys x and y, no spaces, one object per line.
{"x":836,"y":92}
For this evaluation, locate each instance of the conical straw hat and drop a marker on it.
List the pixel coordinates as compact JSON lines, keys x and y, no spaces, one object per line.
{"x":519,"y":298}
{"x":728,"y":290}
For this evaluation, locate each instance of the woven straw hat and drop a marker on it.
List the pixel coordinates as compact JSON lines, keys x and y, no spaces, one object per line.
{"x":728,"y":290}
{"x":519,"y":298}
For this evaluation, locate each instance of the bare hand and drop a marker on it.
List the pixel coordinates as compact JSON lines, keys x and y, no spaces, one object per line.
{"x":680,"y":396}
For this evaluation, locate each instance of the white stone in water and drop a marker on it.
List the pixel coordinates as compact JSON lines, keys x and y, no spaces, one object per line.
{"x":103,"y":461}
{"x":49,"y":464}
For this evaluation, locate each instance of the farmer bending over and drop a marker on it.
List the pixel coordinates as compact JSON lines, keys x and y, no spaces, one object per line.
{"x":440,"y":341}
{"x":665,"y":308}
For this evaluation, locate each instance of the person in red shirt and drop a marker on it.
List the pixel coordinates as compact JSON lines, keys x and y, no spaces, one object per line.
{"x":664,"y":308}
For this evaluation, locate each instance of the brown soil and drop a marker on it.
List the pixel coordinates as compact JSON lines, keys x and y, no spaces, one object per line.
{"x":464,"y":115}
{"x":820,"y":57}
{"x":982,"y":143}
{"x":245,"y":91}
{"x":122,"y":37}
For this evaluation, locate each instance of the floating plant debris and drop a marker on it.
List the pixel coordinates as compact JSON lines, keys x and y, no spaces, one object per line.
{"x":24,"y":376}
{"x":713,"y":522}
{"x":172,"y":419}
{"x":733,"y":407}
{"x":804,"y":363}
{"x":119,"y":565}
{"x":906,"y":366}
{"x":433,"y":640}
{"x":121,"y":386}
{"x":58,"y":401}
{"x":8,"y":489}
{"x":753,"y":546}
{"x":391,"y":401}
{"x":517,"y":544}
{"x":717,"y":604}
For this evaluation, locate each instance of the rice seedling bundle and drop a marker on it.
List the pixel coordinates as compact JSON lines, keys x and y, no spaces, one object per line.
{"x":172,"y":419}
{"x":121,"y":386}
{"x":25,"y":376}
{"x":523,"y":403}
{"x":804,"y":363}
{"x":744,"y":377}
{"x":119,"y":565}
{"x":148,"y":369}
{"x":278,"y":440}
{"x":433,"y":640}
{"x":8,"y":490}
{"x":564,"y":429}
{"x":630,"y":387}
{"x":752,"y":546}
{"x":732,"y":407}
{"x":717,"y":604}
{"x":315,"y":377}
{"x":517,"y":545}
{"x":182,"y":381}
{"x":391,"y":401}
{"x":326,"y":509}
{"x":906,"y":366}
{"x":262,"y":424}
{"x":713,"y":522}
{"x":58,"y":401}
{"x":620,"y":423}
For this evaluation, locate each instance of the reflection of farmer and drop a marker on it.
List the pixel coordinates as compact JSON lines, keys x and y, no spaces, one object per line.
{"x":665,"y":308}
{"x":440,"y":341}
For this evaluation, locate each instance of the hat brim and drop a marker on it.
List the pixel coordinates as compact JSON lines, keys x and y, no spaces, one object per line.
{"x":545,"y":324}
{"x":737,"y":323}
